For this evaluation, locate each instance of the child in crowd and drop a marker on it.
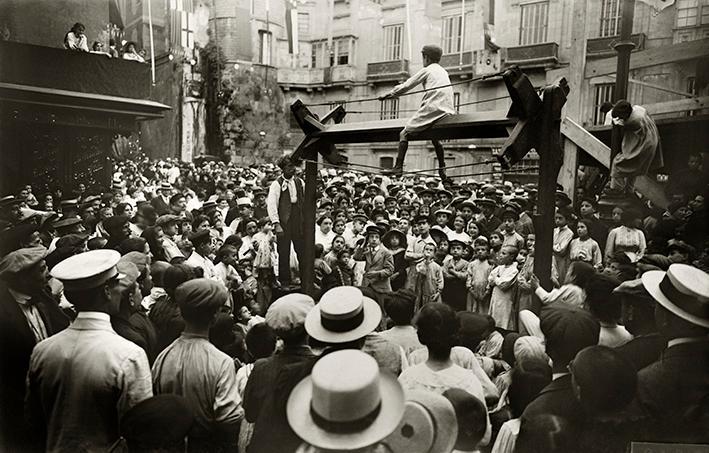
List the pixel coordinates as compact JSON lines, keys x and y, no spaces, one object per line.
{"x":562,"y":238}
{"x":510,"y":236}
{"x":502,"y":280}
{"x":584,"y":248}
{"x":571,"y":292}
{"x":495,"y":246}
{"x":264,"y":244}
{"x":342,"y":273}
{"x":455,"y":275}
{"x":396,"y":242}
{"x":426,"y":280}
{"x":459,"y":231}
{"x":526,"y":300}
{"x":477,"y":274}
{"x":320,"y":267}
{"x":226,"y":273}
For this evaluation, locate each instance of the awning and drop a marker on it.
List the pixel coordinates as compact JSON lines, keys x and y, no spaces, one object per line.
{"x":141,"y":109}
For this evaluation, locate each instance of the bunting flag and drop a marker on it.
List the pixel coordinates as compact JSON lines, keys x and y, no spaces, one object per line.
{"x":292,"y":26}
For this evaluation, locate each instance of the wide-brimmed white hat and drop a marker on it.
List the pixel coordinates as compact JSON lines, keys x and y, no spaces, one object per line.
{"x":429,"y":425}
{"x":683,"y":290}
{"x":347,"y":403}
{"x":343,"y":315}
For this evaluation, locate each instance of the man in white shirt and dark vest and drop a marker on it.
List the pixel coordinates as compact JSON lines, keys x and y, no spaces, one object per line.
{"x":284,"y":205}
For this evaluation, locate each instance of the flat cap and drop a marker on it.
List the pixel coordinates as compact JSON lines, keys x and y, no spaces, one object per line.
{"x":21,"y":259}
{"x":200,"y":237}
{"x":166,"y":219}
{"x":87,"y":270}
{"x":567,"y":331}
{"x":200,"y":296}
{"x":66,"y":222}
{"x":288,"y":312}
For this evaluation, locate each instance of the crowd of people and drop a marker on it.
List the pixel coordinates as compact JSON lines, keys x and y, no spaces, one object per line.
{"x":166,"y":313}
{"x":76,"y":40}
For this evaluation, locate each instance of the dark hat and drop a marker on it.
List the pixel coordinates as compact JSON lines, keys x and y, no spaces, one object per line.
{"x":389,"y":198}
{"x":20,"y":260}
{"x":159,"y":422}
{"x":115,"y":222}
{"x":208,"y":205}
{"x":373,"y":229}
{"x":465,"y":192}
{"x":200,"y":237}
{"x":12,"y":238}
{"x":563,"y":198}
{"x":72,"y":240}
{"x":444,"y":192}
{"x":361,"y":217}
{"x":438,"y":235}
{"x":422,"y":218}
{"x":386,"y":239}
{"x":66,"y":222}
{"x":68,"y":204}
{"x":510,"y":211}
{"x":567,"y":330}
{"x":325,"y":202}
{"x":427,"y":192}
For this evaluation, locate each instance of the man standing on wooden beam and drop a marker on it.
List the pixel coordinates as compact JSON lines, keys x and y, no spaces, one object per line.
{"x":436,"y":104}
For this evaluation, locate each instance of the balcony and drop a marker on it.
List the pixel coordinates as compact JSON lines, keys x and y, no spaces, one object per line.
{"x":342,"y":75}
{"x":486,"y":62}
{"x":77,"y":80}
{"x":307,"y":78}
{"x":457,"y":67}
{"x":603,"y":47}
{"x":533,"y":56}
{"x":387,"y":71}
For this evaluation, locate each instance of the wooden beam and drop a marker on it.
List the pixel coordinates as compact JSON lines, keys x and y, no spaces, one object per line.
{"x":491,"y":124}
{"x":679,"y":105}
{"x":651,"y":57}
{"x":586,"y":141}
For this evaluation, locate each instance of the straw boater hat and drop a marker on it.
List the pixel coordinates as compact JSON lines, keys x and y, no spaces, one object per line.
{"x":683,"y":290}
{"x":346,"y":403}
{"x":429,"y":425}
{"x":343,"y":315}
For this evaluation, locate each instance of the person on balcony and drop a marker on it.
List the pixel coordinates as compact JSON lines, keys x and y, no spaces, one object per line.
{"x":436,"y":104}
{"x":640,"y":153}
{"x":75,"y":39}
{"x":131,"y":53}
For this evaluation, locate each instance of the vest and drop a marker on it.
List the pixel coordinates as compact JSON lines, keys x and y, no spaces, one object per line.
{"x":284,"y":204}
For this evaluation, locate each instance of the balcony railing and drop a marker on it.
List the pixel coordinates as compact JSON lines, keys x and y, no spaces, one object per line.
{"x":301,"y":77}
{"x":534,"y":55}
{"x":310,"y":78}
{"x":457,"y":66}
{"x":603,"y":47}
{"x":388,"y":71}
{"x":72,"y":71}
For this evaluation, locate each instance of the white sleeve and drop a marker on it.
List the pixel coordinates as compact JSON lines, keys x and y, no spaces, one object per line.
{"x":274,"y":194}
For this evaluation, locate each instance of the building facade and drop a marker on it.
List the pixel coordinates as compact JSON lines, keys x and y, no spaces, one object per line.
{"x":353,"y":49}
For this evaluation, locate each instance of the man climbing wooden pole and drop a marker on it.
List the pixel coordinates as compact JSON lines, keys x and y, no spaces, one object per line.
{"x":436,"y":104}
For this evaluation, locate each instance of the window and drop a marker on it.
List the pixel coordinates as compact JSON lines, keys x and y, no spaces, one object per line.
{"x":692,"y":12}
{"x":264,"y":53}
{"x":610,"y":18}
{"x":181,"y":24}
{"x":389,"y":109}
{"x":386,"y":162}
{"x":303,"y":24}
{"x":342,"y":51}
{"x":317,"y":55}
{"x":704,"y":19}
{"x":533,"y":23}
{"x":456,"y":102}
{"x":603,"y":93}
{"x":691,"y":89}
{"x":393,"y":42}
{"x":451,"y":33}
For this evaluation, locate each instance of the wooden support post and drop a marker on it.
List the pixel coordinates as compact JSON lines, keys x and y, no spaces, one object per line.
{"x":623,"y":47}
{"x":550,"y":160}
{"x":307,"y":264}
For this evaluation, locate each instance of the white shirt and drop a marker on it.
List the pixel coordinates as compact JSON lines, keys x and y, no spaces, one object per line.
{"x":197,"y":260}
{"x":82,"y":380}
{"x":274,"y":195}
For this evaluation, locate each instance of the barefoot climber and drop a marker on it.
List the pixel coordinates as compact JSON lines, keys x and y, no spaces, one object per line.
{"x":436,"y":104}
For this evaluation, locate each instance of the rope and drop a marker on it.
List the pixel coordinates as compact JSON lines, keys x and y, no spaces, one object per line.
{"x":416,"y":172}
{"x":480,"y":101}
{"x":423,"y":90}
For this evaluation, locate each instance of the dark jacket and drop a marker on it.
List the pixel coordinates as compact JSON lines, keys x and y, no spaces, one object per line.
{"x":16,"y":344}
{"x":557,"y":398}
